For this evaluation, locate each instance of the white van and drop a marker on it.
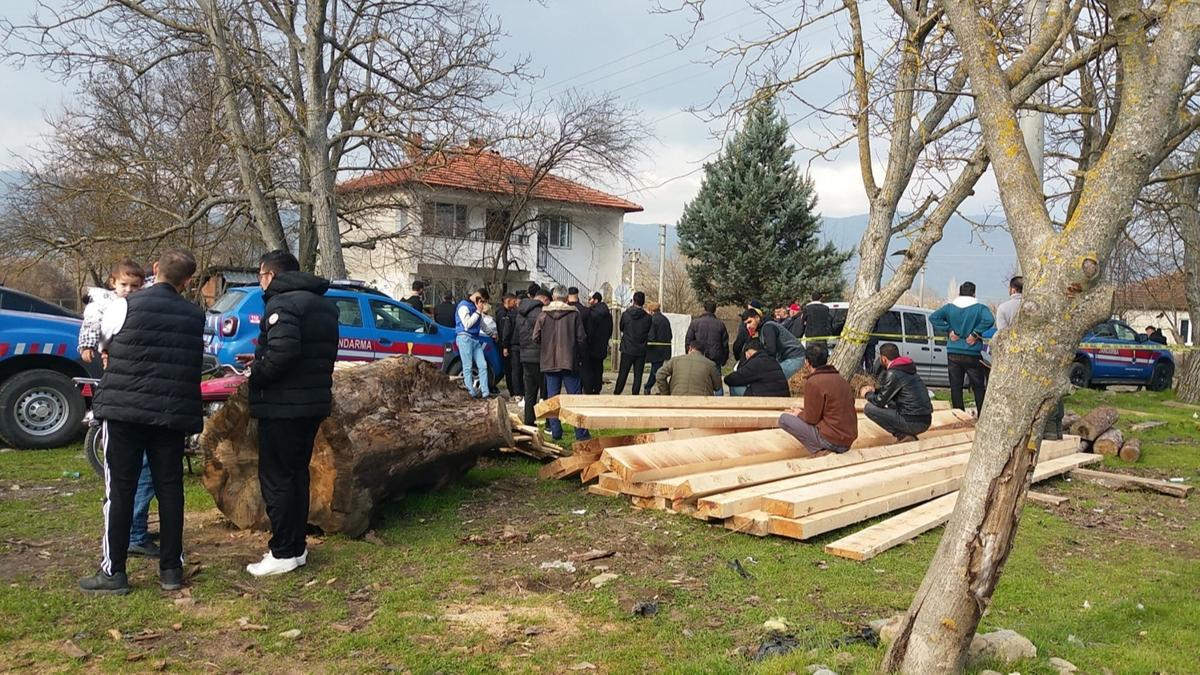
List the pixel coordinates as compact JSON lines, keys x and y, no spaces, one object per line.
{"x":914,"y":335}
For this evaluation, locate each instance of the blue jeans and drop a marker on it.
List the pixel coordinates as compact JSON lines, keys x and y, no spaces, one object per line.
{"x":654,"y":366}
{"x":791,"y":366}
{"x":471,"y":352}
{"x":555,"y":383}
{"x":141,"y":504}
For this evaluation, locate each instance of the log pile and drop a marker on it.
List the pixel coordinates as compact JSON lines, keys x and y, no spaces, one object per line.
{"x":396,"y":425}
{"x":764,"y":482}
{"x":1098,"y":432}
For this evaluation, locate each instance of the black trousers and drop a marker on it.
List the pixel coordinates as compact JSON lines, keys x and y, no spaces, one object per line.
{"x":285,"y":448}
{"x":125,"y":445}
{"x":635,"y":363}
{"x":961,"y":368}
{"x":593,"y":374}
{"x":535,"y":389}
{"x":513,"y":379}
{"x":894,"y":423}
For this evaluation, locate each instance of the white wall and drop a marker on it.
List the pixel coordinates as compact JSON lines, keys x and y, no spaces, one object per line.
{"x":1169,"y":321}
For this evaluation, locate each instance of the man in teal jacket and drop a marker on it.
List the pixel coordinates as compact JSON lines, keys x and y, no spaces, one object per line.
{"x":964,"y":320}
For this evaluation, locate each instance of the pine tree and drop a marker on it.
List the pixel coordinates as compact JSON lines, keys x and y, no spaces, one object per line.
{"x":752,"y":229}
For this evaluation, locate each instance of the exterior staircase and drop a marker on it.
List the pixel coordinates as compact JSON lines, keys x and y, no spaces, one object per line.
{"x":552,"y":267}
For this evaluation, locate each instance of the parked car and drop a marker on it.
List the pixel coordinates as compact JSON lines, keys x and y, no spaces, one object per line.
{"x":1114,"y":353}
{"x":911,"y":331}
{"x":40,"y":407}
{"x":371,"y":324}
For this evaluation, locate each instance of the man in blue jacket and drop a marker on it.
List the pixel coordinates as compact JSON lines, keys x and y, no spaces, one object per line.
{"x":468,"y":320}
{"x":964,"y":320}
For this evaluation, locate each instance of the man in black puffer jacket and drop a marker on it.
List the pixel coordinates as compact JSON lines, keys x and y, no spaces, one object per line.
{"x":531,"y":352}
{"x":711,"y":333}
{"x":291,"y":382}
{"x":901,"y":404}
{"x":149,"y":401}
{"x":635,"y":333}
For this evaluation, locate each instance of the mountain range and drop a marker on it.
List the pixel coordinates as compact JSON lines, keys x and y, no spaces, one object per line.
{"x":965,"y":253}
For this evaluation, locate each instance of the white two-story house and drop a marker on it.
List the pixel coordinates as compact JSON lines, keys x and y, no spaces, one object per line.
{"x":470,"y":217}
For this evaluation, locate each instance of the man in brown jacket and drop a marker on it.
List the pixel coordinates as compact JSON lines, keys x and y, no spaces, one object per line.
{"x":560,"y":334}
{"x":828,"y":421}
{"x":689,"y":375}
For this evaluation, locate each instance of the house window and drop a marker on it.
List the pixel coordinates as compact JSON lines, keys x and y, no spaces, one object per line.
{"x":457,"y":288}
{"x":445,"y":219}
{"x":556,"y":231}
{"x":1185,"y":330}
{"x":496,"y":224}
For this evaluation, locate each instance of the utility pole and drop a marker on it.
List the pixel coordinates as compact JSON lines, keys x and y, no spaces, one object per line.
{"x":634,"y":254}
{"x":662,"y":264}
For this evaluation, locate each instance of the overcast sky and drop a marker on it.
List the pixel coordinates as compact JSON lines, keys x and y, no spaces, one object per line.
{"x":615,"y":46}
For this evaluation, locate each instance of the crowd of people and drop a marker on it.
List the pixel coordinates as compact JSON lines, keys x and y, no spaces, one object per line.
{"x":150,"y":339}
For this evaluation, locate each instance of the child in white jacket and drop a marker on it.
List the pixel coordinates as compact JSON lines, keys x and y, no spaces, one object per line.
{"x":126,"y":277}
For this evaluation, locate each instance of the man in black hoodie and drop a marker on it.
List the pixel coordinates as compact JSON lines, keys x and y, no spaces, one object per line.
{"x":510,"y":348}
{"x":759,"y":373}
{"x":901,"y":403}
{"x":635,"y":333}
{"x":531,"y":352}
{"x":599,"y":324}
{"x":291,"y":381}
{"x":658,"y":343}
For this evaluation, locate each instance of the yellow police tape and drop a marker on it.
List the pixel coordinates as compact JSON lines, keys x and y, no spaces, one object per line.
{"x":862,"y":338}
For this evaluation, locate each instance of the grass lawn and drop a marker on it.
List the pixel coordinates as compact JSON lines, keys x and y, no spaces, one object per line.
{"x":452,"y":581}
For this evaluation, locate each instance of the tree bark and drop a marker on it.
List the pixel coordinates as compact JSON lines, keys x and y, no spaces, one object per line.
{"x":1187,"y":221}
{"x":396,"y":425}
{"x":1109,"y":442}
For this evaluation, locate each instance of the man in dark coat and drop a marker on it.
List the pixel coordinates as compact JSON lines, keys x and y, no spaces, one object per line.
{"x":635,"y":333}
{"x":528,"y":311}
{"x":901,"y":402}
{"x":1153,"y":334}
{"x":817,"y":320}
{"x":443,"y":312}
{"x":658,"y":343}
{"x":743,"y":335}
{"x":291,"y":381}
{"x":417,"y":299}
{"x":758,"y":373}
{"x":599,"y":324}
{"x":510,"y":348}
{"x":149,"y":401}
{"x":794,"y":323}
{"x":776,"y":341}
{"x":560,"y":333}
{"x":711,"y":333}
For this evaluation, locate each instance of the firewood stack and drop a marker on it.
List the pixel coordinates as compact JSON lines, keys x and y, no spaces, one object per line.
{"x":1097,"y":431}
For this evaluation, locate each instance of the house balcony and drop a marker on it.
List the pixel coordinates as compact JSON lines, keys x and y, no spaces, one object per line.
{"x":477,"y":250}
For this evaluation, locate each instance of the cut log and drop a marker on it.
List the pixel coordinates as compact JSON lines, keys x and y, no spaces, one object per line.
{"x":397,"y":425}
{"x":1070,"y":418}
{"x":1131,"y":450}
{"x":1108,"y":443}
{"x":1090,"y":426}
{"x":1120,"y":480}
{"x":870,"y":542}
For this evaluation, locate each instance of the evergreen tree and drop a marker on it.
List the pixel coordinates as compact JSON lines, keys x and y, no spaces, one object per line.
{"x":752,"y":229}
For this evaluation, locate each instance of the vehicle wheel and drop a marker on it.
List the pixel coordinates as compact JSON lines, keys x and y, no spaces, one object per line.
{"x":40,"y":409}
{"x":455,"y":368}
{"x":1161,"y":377}
{"x":1080,"y":374}
{"x":93,"y":448}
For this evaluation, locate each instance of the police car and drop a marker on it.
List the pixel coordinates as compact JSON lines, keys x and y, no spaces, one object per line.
{"x":1114,"y":353}
{"x":40,"y":407}
{"x":371,"y":326}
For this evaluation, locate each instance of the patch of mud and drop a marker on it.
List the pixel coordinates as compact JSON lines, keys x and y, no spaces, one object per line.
{"x":500,"y":622}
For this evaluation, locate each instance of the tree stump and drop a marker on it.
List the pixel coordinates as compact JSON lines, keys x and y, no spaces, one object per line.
{"x":1109,"y":442}
{"x":1131,"y":451}
{"x":1096,"y":422}
{"x":396,"y":425}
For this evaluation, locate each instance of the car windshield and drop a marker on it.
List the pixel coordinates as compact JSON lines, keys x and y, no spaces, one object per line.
{"x":227,"y":302}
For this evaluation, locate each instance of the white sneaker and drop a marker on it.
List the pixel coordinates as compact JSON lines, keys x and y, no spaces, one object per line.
{"x":270,"y":566}
{"x":302,"y":559}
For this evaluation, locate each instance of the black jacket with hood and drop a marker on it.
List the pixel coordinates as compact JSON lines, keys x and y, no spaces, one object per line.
{"x":901,"y":388}
{"x":762,"y":376}
{"x":658,"y":341}
{"x":292,"y":373}
{"x":527,"y":314}
{"x":599,"y":325}
{"x":635,"y":331}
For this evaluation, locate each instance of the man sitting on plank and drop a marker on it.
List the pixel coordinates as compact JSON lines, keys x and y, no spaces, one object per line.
{"x":828,"y":421}
{"x":689,"y":375}
{"x":901,"y":403}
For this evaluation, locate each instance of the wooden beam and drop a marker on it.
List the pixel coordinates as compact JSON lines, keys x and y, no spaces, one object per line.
{"x":827,"y":496}
{"x":600,"y":443}
{"x":680,"y":418}
{"x":1120,"y":480}
{"x":564,"y":467}
{"x":820,"y":523}
{"x":551,"y":407}
{"x":727,"y":504}
{"x":653,"y":503}
{"x":592,"y":472}
{"x":611,"y":481}
{"x":1046,"y":499}
{"x":601,"y":492}
{"x":756,"y":523}
{"x":870,"y":542}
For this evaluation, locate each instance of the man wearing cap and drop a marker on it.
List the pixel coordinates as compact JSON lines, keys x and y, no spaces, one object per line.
{"x":795,"y":320}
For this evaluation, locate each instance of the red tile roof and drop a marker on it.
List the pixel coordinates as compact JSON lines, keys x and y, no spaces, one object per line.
{"x":1165,"y":292}
{"x":486,"y":171}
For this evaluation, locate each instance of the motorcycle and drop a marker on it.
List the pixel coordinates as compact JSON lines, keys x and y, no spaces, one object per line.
{"x":219,"y":385}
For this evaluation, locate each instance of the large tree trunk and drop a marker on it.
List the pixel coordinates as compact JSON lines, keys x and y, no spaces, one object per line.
{"x":396,"y":425}
{"x":1187,"y":221}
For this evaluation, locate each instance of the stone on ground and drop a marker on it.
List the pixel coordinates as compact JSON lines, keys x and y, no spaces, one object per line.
{"x":1004,"y":646}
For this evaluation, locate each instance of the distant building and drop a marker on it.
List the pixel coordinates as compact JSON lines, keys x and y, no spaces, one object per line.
{"x":1161,"y":302}
{"x":214,"y":281}
{"x":443,"y":221}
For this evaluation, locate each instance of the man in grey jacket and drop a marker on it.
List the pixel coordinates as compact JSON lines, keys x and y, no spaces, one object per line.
{"x":689,"y":375}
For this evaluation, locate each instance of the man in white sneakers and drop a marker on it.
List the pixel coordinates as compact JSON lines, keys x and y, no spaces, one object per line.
{"x":291,"y":381}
